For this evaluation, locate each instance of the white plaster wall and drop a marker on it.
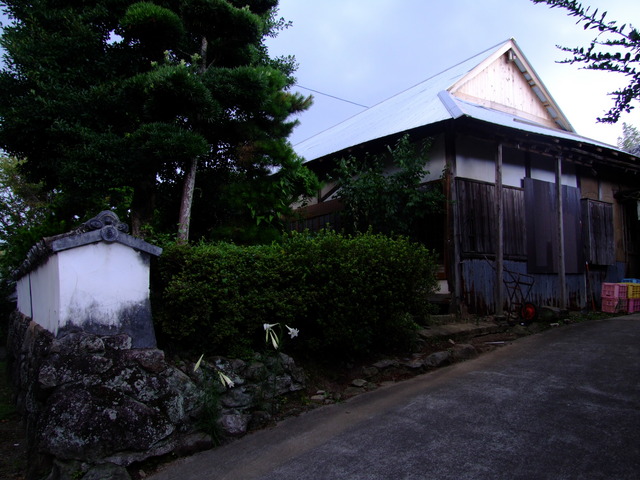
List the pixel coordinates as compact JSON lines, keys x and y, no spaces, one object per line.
{"x":39,"y":295}
{"x":23,"y":291}
{"x":99,"y":280}
{"x":476,"y":160}
{"x":544,"y":168}
{"x":513,"y":167}
{"x":443,"y":287}
{"x":437,"y":160}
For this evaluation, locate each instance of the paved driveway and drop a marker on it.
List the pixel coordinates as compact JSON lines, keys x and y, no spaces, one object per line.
{"x":564,"y":404}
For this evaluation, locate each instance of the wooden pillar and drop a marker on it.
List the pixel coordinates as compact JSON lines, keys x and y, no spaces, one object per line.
{"x":562,"y":273}
{"x":452,"y":238}
{"x":499,"y":241}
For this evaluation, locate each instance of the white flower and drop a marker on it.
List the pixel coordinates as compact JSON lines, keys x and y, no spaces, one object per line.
{"x":225,"y":380}
{"x":274,"y":338}
{"x":197,"y":365}
{"x":271,"y":334}
{"x":293,"y":332}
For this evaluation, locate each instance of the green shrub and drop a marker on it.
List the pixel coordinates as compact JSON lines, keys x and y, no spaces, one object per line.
{"x":349,"y":295}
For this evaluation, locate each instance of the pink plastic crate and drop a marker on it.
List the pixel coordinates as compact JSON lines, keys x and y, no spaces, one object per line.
{"x":614,"y":305}
{"x":614,"y":290}
{"x":634,"y":305}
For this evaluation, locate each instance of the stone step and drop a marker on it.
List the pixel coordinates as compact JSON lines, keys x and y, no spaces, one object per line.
{"x":458,"y":331}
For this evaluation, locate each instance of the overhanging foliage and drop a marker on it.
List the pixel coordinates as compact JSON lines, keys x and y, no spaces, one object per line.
{"x":616,"y":48}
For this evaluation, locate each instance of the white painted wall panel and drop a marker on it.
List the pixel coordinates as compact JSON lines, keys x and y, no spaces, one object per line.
{"x":41,"y":288}
{"x":437,"y":160}
{"x":98,"y":281}
{"x":544,"y":168}
{"x":513,"y":167}
{"x":23,"y":291}
{"x":476,"y":160}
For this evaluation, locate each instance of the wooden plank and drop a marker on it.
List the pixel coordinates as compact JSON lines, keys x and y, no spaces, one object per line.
{"x":572,"y":225}
{"x":514,"y":223}
{"x":541,"y":236}
{"x":317,"y":209}
{"x":478,"y":219}
{"x":597,"y":221}
{"x":501,"y":86}
{"x":476,"y":216}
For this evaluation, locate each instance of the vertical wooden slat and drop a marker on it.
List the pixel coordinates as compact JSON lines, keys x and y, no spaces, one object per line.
{"x":562,"y":276}
{"x":572,"y":230}
{"x":514,"y":222}
{"x":478,"y":218}
{"x":597,"y":231}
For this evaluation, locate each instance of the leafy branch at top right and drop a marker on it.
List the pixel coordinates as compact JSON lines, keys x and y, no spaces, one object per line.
{"x":616,"y":48}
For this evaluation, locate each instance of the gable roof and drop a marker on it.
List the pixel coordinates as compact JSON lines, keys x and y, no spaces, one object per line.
{"x":462,"y":90}
{"x":104,"y":227}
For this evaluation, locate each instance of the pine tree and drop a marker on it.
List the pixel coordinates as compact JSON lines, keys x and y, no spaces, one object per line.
{"x":113,"y":101}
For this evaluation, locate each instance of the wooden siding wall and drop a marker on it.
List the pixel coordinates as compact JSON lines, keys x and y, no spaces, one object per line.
{"x":479,"y":282}
{"x":597,"y":226}
{"x":477,"y":219}
{"x":315,"y":224}
{"x":631,"y":214}
{"x":542,"y":239}
{"x":317,"y":217}
{"x":529,"y":225}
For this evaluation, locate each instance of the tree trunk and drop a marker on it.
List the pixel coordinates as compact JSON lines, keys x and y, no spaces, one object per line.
{"x":142,"y":205}
{"x":186,"y":202}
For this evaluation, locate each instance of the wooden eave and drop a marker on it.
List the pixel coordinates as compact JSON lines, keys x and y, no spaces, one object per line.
{"x":577,"y":152}
{"x":574,"y":151}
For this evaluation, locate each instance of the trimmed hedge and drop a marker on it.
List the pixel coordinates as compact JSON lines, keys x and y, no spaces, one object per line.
{"x":348,"y":295}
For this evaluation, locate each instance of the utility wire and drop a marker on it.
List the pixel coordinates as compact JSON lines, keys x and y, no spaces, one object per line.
{"x":332,"y":96}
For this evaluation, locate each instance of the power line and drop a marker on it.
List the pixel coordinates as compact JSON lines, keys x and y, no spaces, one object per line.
{"x":332,"y":96}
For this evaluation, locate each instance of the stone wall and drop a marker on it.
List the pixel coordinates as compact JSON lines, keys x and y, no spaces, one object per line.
{"x":92,"y":405}
{"x":88,"y":400}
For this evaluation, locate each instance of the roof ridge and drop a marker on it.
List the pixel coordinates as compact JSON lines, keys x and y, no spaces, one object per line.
{"x":493,"y":47}
{"x":451,"y":68}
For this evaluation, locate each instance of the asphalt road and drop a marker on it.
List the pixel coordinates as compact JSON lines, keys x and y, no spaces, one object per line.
{"x":564,"y":404}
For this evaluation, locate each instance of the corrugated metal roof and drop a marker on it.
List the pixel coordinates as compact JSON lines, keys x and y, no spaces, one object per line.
{"x":426,"y":103}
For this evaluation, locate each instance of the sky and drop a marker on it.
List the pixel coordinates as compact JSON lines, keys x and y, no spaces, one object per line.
{"x":366,"y":51}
